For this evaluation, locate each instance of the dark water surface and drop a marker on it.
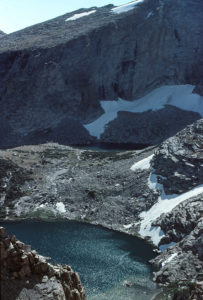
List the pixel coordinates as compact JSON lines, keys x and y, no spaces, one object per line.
{"x":112,"y":147}
{"x":104,"y":259}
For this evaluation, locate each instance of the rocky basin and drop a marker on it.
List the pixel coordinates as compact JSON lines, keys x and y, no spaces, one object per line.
{"x":54,"y":181}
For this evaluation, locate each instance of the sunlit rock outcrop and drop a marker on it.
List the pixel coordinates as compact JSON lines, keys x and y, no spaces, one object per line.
{"x":26,"y":275}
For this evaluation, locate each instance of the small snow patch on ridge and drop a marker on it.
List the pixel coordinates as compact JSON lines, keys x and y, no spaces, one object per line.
{"x":128,"y":226}
{"x":170,"y":258}
{"x":149,"y":15}
{"x":60,"y":207}
{"x":143,"y":164}
{"x":126,"y":7}
{"x":78,"y":16}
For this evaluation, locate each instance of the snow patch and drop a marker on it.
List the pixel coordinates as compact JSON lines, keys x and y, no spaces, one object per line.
{"x":164,"y":205}
{"x":180,"y":96}
{"x":177,"y":174}
{"x":153,"y":183}
{"x":156,"y":234}
{"x":169,"y":259}
{"x":126,"y":7}
{"x":166,"y":246}
{"x":149,"y":15}
{"x":81,"y":15}
{"x":190,"y":165}
{"x":60,"y":207}
{"x":128,"y":226}
{"x":143,"y":164}
{"x":2,"y":199}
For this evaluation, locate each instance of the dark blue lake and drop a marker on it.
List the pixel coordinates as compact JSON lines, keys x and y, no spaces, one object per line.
{"x":105,"y":260}
{"x":112,"y":147}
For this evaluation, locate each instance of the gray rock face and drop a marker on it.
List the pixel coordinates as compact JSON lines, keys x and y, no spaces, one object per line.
{"x":184,"y":225}
{"x":179,"y":160}
{"x":181,"y":220}
{"x":27,"y":275}
{"x":2,"y":33}
{"x":150,"y":127}
{"x":59,"y":70}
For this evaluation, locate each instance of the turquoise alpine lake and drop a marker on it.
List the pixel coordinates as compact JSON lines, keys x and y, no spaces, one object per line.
{"x":111,"y":265}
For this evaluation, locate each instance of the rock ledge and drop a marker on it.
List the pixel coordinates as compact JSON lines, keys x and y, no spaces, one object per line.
{"x":27,"y":275}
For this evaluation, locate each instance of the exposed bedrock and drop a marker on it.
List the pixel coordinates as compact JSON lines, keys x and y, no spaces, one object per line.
{"x":26,"y":275}
{"x":179,"y":160}
{"x":56,"y":72}
{"x":184,"y":228}
{"x":150,"y":127}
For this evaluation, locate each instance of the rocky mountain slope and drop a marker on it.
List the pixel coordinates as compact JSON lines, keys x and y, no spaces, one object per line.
{"x":182,"y":154}
{"x":54,"y":74}
{"x":178,"y":162}
{"x":26,"y":275}
{"x":126,"y":191}
{"x":2,"y":33}
{"x":128,"y":74}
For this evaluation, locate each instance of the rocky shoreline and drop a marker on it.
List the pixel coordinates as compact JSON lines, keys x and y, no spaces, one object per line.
{"x":26,"y":275}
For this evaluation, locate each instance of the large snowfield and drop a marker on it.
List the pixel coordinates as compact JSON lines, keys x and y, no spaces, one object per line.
{"x":180,"y":96}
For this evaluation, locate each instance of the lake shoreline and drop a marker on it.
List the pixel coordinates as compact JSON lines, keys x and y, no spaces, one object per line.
{"x":108,"y":238}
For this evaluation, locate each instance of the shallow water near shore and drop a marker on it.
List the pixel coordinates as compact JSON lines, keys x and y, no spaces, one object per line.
{"x":111,"y":265}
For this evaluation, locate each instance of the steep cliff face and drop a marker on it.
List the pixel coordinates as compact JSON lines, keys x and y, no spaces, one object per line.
{"x":52,"y":75}
{"x":26,"y":275}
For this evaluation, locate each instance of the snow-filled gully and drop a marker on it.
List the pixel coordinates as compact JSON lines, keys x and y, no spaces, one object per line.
{"x":164,"y":204}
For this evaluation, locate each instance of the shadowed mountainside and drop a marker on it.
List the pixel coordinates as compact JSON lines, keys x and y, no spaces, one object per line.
{"x":53,"y":74}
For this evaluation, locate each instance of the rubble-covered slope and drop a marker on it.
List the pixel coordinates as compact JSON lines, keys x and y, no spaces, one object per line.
{"x":26,"y":275}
